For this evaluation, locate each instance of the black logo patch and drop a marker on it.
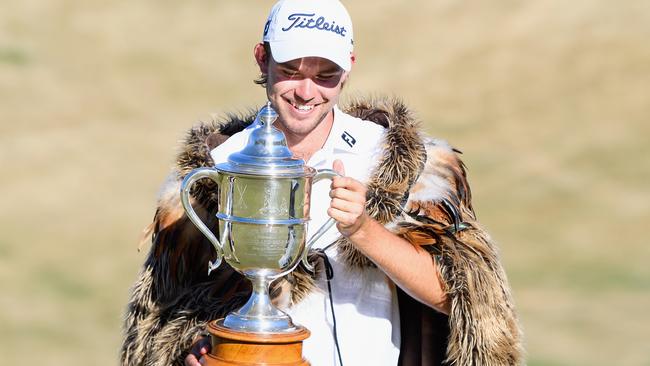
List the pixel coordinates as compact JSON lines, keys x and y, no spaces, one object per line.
{"x":348,"y":139}
{"x":266,"y":27}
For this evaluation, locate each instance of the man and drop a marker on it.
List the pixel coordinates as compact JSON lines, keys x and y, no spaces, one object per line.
{"x":416,"y":281}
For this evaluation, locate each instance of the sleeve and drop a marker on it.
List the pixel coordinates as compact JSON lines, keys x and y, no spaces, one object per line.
{"x":483,"y":326}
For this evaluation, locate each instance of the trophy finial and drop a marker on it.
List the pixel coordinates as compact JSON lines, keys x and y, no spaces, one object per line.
{"x":267,"y":115}
{"x":266,"y":150}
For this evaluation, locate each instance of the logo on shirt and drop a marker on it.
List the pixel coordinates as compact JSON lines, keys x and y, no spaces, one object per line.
{"x":348,"y":138}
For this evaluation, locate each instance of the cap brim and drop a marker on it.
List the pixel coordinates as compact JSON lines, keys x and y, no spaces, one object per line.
{"x":287,"y":51}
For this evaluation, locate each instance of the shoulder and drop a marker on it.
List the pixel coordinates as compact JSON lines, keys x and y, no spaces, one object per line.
{"x":231,"y":144}
{"x":204,"y":137}
{"x":357,"y":124}
{"x":442,"y":169}
{"x":358,"y":134}
{"x":442,"y":190}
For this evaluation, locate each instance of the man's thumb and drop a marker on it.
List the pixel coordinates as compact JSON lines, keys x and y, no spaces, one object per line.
{"x":338,"y":167}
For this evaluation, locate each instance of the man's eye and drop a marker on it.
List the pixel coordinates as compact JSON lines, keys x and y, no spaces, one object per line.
{"x":287,"y":72}
{"x":325,"y":77}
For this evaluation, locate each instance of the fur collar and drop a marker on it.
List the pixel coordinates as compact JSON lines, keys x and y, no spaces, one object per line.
{"x":419,"y":190}
{"x":403,"y":159}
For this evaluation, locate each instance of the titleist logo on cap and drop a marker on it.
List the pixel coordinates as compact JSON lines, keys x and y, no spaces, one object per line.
{"x":310,"y":21}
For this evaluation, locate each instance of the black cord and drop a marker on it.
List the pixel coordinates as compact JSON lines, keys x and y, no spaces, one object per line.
{"x":329,"y":274}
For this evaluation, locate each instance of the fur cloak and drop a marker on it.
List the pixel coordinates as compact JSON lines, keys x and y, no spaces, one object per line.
{"x":419,"y":191}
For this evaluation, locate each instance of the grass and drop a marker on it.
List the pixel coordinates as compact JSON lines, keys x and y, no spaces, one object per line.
{"x":547,"y":99}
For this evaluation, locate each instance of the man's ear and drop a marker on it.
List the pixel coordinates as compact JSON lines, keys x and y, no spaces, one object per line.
{"x":344,"y":78}
{"x":261,"y":58}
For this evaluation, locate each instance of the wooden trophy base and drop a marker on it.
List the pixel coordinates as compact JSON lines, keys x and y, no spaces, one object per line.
{"x":231,"y":348}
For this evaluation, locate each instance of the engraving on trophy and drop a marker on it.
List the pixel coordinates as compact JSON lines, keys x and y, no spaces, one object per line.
{"x":274,"y":206}
{"x":274,"y":248}
{"x":241,"y":198}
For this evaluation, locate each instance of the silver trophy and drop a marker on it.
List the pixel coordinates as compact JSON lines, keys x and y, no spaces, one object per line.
{"x":263,"y":215}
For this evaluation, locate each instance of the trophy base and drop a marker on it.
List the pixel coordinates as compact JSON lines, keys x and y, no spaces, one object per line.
{"x":277,"y":322}
{"x":233,"y":348}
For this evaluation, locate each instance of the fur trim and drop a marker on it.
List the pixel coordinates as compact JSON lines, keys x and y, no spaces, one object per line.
{"x":438,"y":216}
{"x":195,"y":153}
{"x":419,"y":190}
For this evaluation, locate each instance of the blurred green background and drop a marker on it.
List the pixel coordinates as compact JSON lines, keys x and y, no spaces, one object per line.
{"x":549,"y":101}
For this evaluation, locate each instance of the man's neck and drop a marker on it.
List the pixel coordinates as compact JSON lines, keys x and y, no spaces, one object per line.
{"x":305,"y":146}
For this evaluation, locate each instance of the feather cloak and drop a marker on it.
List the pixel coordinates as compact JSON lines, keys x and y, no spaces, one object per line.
{"x":419,"y":191}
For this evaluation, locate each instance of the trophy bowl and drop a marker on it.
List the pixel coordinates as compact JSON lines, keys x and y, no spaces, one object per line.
{"x":266,"y":221}
{"x":263,"y":214}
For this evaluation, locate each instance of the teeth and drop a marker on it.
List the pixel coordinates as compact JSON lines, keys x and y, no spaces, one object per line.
{"x":303,"y":107}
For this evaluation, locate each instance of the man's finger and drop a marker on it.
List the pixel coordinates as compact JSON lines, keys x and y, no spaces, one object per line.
{"x":347,"y":206}
{"x":342,"y":218}
{"x":200,"y":348}
{"x":191,"y":360}
{"x":348,"y":183}
{"x":347,"y":195}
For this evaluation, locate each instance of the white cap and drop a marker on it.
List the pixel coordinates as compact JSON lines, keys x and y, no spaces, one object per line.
{"x":310,"y":28}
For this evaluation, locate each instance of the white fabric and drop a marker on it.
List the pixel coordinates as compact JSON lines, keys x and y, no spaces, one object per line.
{"x":365,"y":301}
{"x":304,"y":28}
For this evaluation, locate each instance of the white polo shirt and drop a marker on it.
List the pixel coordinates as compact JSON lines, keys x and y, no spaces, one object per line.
{"x":365,"y":301}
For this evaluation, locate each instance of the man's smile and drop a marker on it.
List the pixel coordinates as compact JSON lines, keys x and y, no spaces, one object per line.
{"x":300,"y":107}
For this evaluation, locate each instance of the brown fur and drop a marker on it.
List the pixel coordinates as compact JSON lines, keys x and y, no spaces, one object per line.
{"x":419,"y":190}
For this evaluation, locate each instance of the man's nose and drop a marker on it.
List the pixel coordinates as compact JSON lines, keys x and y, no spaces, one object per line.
{"x":306,"y":90}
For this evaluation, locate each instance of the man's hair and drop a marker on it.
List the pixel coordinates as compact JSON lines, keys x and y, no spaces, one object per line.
{"x":263,"y":78}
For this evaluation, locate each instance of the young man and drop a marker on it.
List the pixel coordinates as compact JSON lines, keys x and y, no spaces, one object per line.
{"x":416,"y":281}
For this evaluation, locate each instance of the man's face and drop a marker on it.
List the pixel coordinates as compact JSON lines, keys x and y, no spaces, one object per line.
{"x":303,"y":91}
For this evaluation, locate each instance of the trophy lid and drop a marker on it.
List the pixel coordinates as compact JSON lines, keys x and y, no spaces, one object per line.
{"x":266,"y":152}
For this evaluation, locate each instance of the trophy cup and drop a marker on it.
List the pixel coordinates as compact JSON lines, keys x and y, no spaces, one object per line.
{"x":263,"y":215}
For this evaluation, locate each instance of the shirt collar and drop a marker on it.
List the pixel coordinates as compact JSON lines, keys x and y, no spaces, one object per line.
{"x":339,"y":139}
{"x":334,"y":143}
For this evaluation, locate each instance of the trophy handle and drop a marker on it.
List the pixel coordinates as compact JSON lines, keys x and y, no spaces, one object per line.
{"x":320,"y":175}
{"x":189,"y":180}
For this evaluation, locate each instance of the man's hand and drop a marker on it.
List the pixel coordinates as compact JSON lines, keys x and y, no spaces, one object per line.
{"x":200,"y":348}
{"x":348,"y":205}
{"x":420,"y":278}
